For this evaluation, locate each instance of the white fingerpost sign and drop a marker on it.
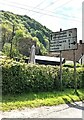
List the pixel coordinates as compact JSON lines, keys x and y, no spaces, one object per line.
{"x":63,"y":40}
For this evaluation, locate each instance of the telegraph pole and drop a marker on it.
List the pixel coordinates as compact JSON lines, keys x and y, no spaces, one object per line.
{"x":11,"y":42}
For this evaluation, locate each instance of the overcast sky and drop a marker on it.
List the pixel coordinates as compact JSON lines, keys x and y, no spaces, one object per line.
{"x":54,"y":14}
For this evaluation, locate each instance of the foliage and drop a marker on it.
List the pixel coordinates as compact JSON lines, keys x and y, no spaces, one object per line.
{"x":14,"y":52}
{"x":6,"y":33}
{"x":21,"y":77}
{"x":25,"y":27}
{"x":68,"y":77}
{"x":71,"y":65}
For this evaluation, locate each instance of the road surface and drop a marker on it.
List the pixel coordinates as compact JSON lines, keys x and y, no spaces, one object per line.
{"x":73,"y":110}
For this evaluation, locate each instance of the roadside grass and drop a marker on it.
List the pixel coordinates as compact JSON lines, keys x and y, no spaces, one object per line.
{"x":20,"y":101}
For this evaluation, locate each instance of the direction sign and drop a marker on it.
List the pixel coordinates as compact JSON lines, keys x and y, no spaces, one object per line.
{"x":63,"y":40}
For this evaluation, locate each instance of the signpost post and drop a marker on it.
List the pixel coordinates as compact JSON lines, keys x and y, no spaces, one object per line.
{"x":61,"y":69}
{"x":62,"y":41}
{"x":61,"y":66}
{"x":75,"y":71}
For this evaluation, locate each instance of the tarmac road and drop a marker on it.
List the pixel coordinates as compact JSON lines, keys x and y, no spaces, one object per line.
{"x":74,"y":110}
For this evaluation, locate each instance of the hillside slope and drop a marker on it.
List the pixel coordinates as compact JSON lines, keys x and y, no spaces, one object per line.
{"x":26,"y":30}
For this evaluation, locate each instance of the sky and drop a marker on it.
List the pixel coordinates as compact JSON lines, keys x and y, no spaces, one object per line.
{"x":54,"y":14}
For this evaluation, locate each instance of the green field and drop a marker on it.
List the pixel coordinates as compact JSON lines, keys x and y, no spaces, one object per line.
{"x":21,"y":101}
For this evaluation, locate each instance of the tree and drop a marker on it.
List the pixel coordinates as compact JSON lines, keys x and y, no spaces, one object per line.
{"x":40,"y":37}
{"x":6,"y":50}
{"x":6,"y":33}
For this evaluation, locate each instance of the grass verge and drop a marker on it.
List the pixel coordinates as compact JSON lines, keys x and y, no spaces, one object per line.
{"x":20,"y":101}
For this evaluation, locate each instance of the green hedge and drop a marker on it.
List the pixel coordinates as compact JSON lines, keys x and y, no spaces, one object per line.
{"x":21,"y":77}
{"x":71,"y":65}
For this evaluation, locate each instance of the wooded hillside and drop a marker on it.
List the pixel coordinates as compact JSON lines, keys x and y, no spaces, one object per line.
{"x":20,"y":31}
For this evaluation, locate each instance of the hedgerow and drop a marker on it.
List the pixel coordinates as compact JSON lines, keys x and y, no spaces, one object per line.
{"x":21,"y":77}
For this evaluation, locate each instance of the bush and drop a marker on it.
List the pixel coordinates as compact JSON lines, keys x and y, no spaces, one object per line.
{"x":68,"y":77}
{"x":21,"y":77}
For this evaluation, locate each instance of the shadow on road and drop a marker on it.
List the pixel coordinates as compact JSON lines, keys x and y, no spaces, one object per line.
{"x":73,"y":104}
